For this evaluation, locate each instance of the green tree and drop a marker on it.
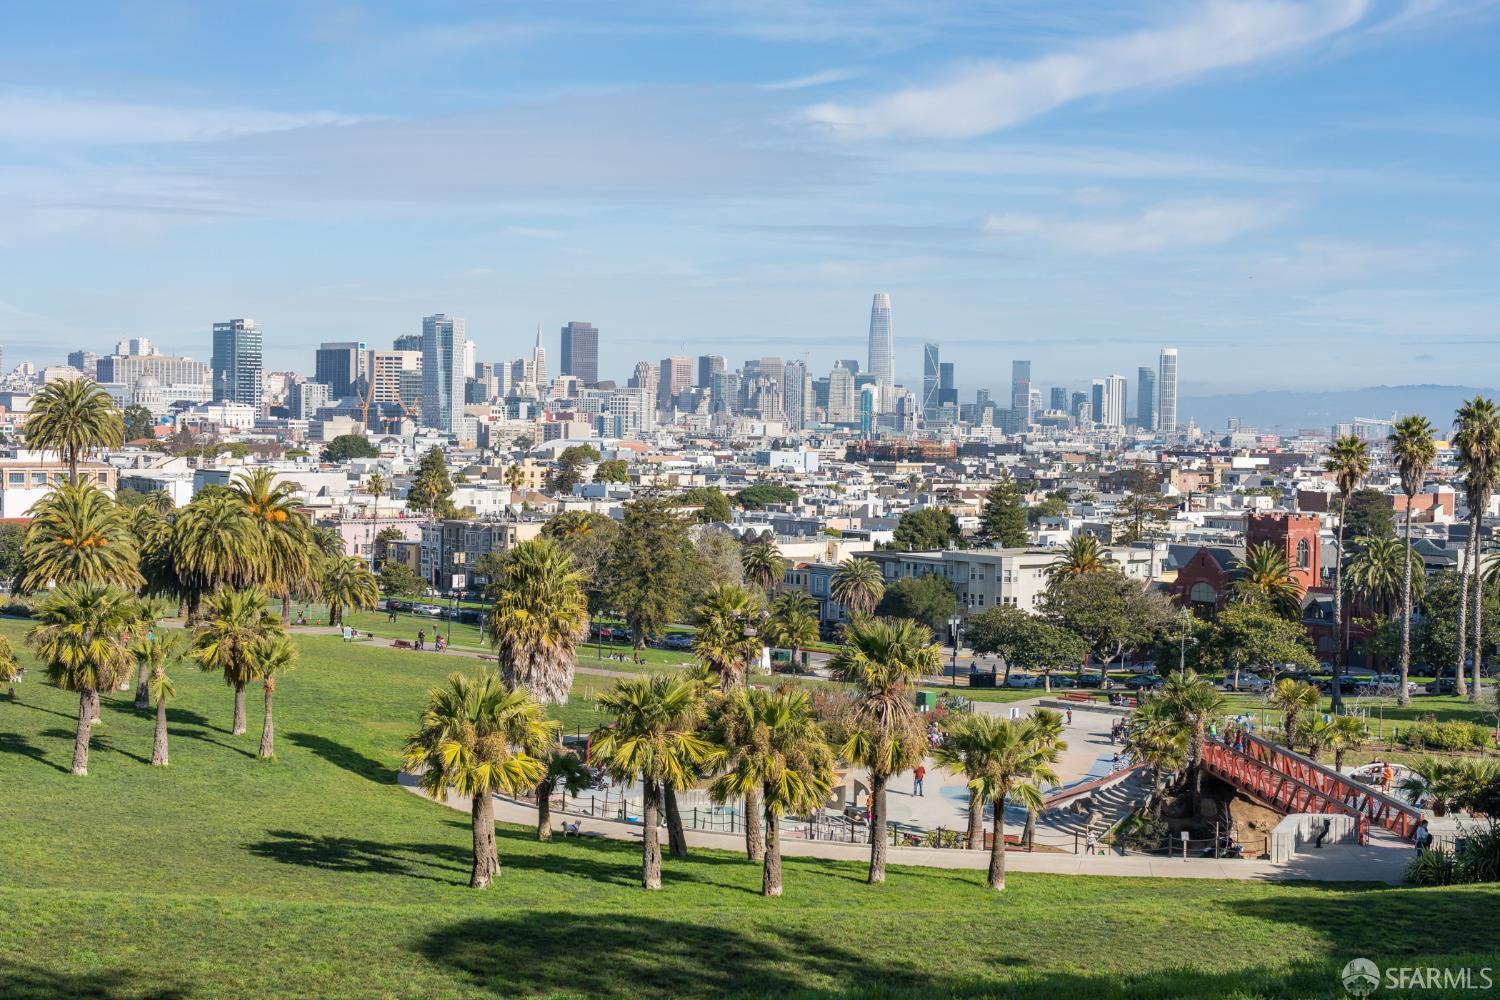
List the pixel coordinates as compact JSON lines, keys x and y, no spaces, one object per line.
{"x":1154,"y":736}
{"x":1349,"y":463}
{"x":157,"y":653}
{"x":788,"y":762}
{"x":398,"y":580}
{"x":78,"y":533}
{"x":1108,"y":610}
{"x":1414,"y":450}
{"x":347,"y":446}
{"x":763,"y":495}
{"x":76,"y":419}
{"x":1293,"y":699}
{"x":763,"y":564}
{"x":1194,"y":703}
{"x":1082,"y":556}
{"x":565,"y":770}
{"x":713,"y":504}
{"x":1054,"y":504}
{"x":1025,"y":639}
{"x":286,"y":556}
{"x":227,"y":641}
{"x":1010,"y":759}
{"x":1264,"y":575}
{"x":12,"y":541}
{"x":589,"y":538}
{"x":1476,"y":438}
{"x":80,"y":635}
{"x":478,"y":737}
{"x":10,"y":667}
{"x":1370,"y":516}
{"x":727,"y":638}
{"x":139,"y":424}
{"x":348,"y":585}
{"x":884,"y":659}
{"x":858,"y":585}
{"x":646,"y":571}
{"x":1143,"y":512}
{"x":567,"y":471}
{"x":926,"y":529}
{"x":1375,"y":574}
{"x":431,"y":490}
{"x":654,"y":740}
{"x":616,"y":470}
{"x":1442,"y":619}
{"x":1250,"y":633}
{"x":925,"y":599}
{"x":383,"y":539}
{"x":1003,"y":520}
{"x":214,"y":543}
{"x":539,"y":615}
{"x":793,"y":624}
{"x":273,"y":655}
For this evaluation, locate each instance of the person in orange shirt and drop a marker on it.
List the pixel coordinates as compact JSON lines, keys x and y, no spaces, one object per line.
{"x":917,"y":776}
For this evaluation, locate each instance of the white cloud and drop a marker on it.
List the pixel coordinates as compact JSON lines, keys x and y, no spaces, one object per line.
{"x":819,"y":79}
{"x":994,"y":96}
{"x":1172,"y":225}
{"x":40,"y":119}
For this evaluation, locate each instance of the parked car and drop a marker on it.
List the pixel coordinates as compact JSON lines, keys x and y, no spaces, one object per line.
{"x":1144,"y":667}
{"x":678,"y":640}
{"x":1145,"y":682}
{"x":1089,"y":679}
{"x":1247,"y":682}
{"x":1023,"y":680}
{"x":1443,"y":685}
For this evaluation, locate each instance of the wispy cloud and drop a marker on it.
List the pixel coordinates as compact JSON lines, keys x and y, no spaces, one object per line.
{"x":989,"y":97}
{"x":1171,"y":225}
{"x":44,"y":119}
{"x":819,"y":79}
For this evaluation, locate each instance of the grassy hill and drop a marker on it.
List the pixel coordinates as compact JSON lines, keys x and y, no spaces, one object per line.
{"x":317,"y":876}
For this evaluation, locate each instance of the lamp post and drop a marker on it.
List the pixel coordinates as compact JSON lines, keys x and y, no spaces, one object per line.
{"x":953,"y":624}
{"x":1185,"y":621}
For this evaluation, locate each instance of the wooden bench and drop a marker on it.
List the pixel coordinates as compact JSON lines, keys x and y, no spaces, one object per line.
{"x":1011,"y":840}
{"x":1076,"y":696}
{"x":486,"y":656}
{"x":402,"y":644}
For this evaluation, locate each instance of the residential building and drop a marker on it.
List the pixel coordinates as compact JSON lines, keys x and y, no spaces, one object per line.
{"x":1166,"y":388}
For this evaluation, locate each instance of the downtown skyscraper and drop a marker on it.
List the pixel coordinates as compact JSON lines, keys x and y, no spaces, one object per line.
{"x":1166,"y":388}
{"x":882,"y":354}
{"x":1021,"y":414}
{"x":1145,"y":398}
{"x":931,"y":374}
{"x":580,"y":352}
{"x":443,"y":373}
{"x":236,"y":363}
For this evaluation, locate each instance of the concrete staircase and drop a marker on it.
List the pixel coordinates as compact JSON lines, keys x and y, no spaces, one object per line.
{"x":1059,"y":826}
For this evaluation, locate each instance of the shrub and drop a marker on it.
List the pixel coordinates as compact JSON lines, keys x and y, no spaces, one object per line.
{"x":949,"y":838}
{"x":1432,"y":867}
{"x":1478,"y":858}
{"x":1140,"y":833}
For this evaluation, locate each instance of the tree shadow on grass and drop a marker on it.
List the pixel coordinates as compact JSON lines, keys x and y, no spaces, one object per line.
{"x":50,"y":711}
{"x":193,"y":734}
{"x":18,"y":744}
{"x":175,"y":716}
{"x":24,"y":981}
{"x":347,"y":758}
{"x":357,"y":856}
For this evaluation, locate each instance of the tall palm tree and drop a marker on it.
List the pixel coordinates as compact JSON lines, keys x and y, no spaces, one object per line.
{"x":1195,"y":703}
{"x":858,"y":585}
{"x":274,"y":510}
{"x":76,"y":419}
{"x":479,"y":737}
{"x":1293,"y":699}
{"x":78,"y":533}
{"x":961,"y":753}
{"x":80,"y":634}
{"x":1413,"y":448}
{"x":1047,"y":726}
{"x":10,"y":667}
{"x":1082,"y":556}
{"x":763,"y":564}
{"x":793,"y":624}
{"x":653,"y":740}
{"x":273,"y":656}
{"x":1154,"y":736}
{"x":228,"y":641}
{"x":348,"y":585}
{"x":150,"y":610}
{"x":727,"y":636}
{"x":1376,"y":574}
{"x":884,"y":658}
{"x":161,"y":690}
{"x":788,"y":761}
{"x":1264,"y":574}
{"x":540,"y":614}
{"x":376,"y":486}
{"x":215,"y":543}
{"x":1477,"y":439}
{"x":1349,"y":463}
{"x":565,"y":770}
{"x":1015,"y":758}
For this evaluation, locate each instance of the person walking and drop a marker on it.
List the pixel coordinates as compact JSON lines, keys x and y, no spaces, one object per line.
{"x":421,"y":638}
{"x":1070,"y":716}
{"x":917,"y":776}
{"x":1423,"y":837}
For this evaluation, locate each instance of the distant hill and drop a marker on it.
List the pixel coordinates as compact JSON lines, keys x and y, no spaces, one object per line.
{"x":1285,"y":412}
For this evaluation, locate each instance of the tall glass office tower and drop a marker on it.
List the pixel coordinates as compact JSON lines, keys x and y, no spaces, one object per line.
{"x":443,"y":373}
{"x":1145,"y":398}
{"x":1166,"y":387}
{"x":930,"y":381}
{"x":882,"y":341}
{"x":236,"y":363}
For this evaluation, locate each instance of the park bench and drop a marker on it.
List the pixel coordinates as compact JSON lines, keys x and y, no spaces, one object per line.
{"x":1076,"y":696}
{"x":486,"y":656}
{"x":402,"y":644}
{"x":1011,"y":840}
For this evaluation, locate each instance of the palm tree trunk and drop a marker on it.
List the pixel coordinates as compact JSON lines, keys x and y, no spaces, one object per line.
{"x":286,"y":607}
{"x":239,"y":709}
{"x":1477,"y":516}
{"x":1402,"y":697}
{"x":1338,"y":622}
{"x":486,"y":861}
{"x":81,"y":734}
{"x":1028,"y":834}
{"x":770,"y":883}
{"x":976,"y":821}
{"x":877,"y":829}
{"x":159,"y":740}
{"x":268,"y":728}
{"x":544,"y":810}
{"x":1460,"y":681}
{"x":755,"y":838}
{"x":650,"y":843}
{"x":1197,"y":754}
{"x":997,"y":848}
{"x":142,"y":689}
{"x":676,"y":838}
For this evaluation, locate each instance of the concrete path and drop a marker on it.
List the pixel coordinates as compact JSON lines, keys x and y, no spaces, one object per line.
{"x":1382,"y":861}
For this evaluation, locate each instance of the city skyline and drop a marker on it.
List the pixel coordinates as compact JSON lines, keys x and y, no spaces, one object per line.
{"x":1154,"y":199}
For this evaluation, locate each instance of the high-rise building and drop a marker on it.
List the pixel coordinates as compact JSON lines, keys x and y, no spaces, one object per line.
{"x":341,"y":367}
{"x":1059,"y":399}
{"x":1096,"y":400}
{"x":407,"y":342}
{"x":237,"y":363}
{"x":1109,"y":401}
{"x":930,"y":381}
{"x":773,"y":368}
{"x":1145,"y":398}
{"x":882,"y":341}
{"x":947,"y":385}
{"x":645,"y":376}
{"x":841,"y":396}
{"x":307,"y":398}
{"x":1021,"y":415}
{"x":796,"y":394}
{"x":1166,"y":388}
{"x":385,"y":369}
{"x":84,"y":361}
{"x":723,"y":392}
{"x":676,"y":375}
{"x":443,"y":374}
{"x":850,"y":364}
{"x":538,"y":361}
{"x":580,"y":352}
{"x":708,"y":364}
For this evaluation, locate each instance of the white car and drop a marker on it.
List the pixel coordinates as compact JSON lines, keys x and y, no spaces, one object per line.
{"x":1022,"y":681}
{"x":1248,"y":682}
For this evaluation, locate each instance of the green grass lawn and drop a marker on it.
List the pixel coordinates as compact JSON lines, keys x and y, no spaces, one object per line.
{"x":316,"y":876}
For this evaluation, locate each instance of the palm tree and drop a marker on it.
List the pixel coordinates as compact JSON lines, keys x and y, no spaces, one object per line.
{"x":1264,"y":574}
{"x":763,"y":564}
{"x":273,"y":508}
{"x":1082,"y":556}
{"x":76,"y":419}
{"x":273,"y":656}
{"x":726,"y":639}
{"x":1349,"y":733}
{"x":884,"y":658}
{"x":80,"y":635}
{"x":788,"y":762}
{"x":375,"y":487}
{"x":858,"y":585}
{"x":215,"y":543}
{"x":1154,"y":736}
{"x":793,"y":624}
{"x":514,"y":476}
{"x":162,"y":690}
{"x":10,"y":667}
{"x":348,"y":585}
{"x":653,"y":740}
{"x":1413,"y":448}
{"x":1195,"y":703}
{"x":1293,"y":698}
{"x":1014,"y":758}
{"x":540,"y":614}
{"x":566,"y":770}
{"x":1477,"y":440}
{"x":1349,"y":463}
{"x":1047,"y":726}
{"x":153,"y":649}
{"x":478,"y":737}
{"x":1376,"y":575}
{"x":78,"y":533}
{"x":159,"y":502}
{"x":150,"y":610}
{"x":228,"y":641}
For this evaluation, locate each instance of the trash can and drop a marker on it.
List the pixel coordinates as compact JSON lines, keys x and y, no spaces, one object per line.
{"x":924,"y":701}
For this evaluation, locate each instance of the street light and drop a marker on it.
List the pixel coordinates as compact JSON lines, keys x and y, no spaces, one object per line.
{"x":953,"y":624}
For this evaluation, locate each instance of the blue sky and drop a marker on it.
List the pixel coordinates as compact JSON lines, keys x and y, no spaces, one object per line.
{"x":1296,"y":193}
